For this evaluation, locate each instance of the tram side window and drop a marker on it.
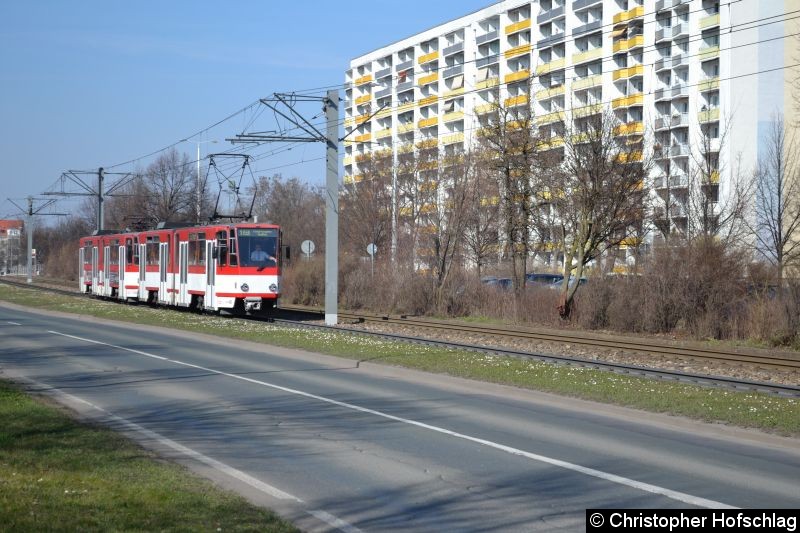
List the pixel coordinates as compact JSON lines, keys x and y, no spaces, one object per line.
{"x":87,"y":254}
{"x":222,"y":247}
{"x":113,"y":251}
{"x":197,"y":249}
{"x":234,"y":260}
{"x":132,"y":250}
{"x":152,"y":250}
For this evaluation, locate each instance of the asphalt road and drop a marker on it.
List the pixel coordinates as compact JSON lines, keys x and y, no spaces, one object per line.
{"x":335,"y":445}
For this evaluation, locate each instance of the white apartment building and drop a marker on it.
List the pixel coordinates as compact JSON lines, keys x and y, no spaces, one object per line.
{"x":668,"y":69}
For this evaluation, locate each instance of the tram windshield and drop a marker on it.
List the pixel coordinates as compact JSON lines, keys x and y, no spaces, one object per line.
{"x":258,"y":247}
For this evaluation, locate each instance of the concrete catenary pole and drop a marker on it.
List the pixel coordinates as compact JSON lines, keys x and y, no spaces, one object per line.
{"x":100,"y":199}
{"x":29,"y":232}
{"x":332,"y":209}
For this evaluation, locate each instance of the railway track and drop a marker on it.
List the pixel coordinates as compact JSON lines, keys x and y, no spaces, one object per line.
{"x":785,"y":361}
{"x":782,"y":361}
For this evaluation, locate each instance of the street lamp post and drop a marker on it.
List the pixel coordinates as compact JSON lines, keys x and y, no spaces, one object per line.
{"x":198,"y":197}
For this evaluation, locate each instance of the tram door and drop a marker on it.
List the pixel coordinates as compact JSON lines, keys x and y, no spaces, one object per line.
{"x":123,"y":260}
{"x":211,"y":276}
{"x":95,"y":288}
{"x":81,"y":271}
{"x":164,"y":294}
{"x":106,"y":290}
{"x":183,"y":273}
{"x":142,"y":271}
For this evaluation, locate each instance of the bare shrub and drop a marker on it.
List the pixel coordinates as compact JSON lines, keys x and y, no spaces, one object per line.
{"x":304,"y":282}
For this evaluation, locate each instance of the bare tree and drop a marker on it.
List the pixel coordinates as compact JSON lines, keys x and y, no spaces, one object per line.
{"x":481,"y":236}
{"x":293,"y":204}
{"x":598,"y":197}
{"x":777,"y":210}
{"x":510,"y":144}
{"x":365,"y":206}
{"x":170,"y":182}
{"x":712,"y":213}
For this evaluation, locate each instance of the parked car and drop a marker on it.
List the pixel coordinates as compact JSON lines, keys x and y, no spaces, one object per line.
{"x":557,"y":284}
{"x":539,"y":279}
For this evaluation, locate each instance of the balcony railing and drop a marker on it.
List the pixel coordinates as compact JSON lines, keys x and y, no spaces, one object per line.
{"x":518,"y":26}
{"x":627,"y":44}
{"x":709,"y":115}
{"x":487,"y":37}
{"x":680,"y":30}
{"x":549,"y":67}
{"x":709,"y":21}
{"x":455,"y":70}
{"x":709,"y":84}
{"x":405,"y":65}
{"x":589,"y":55}
{"x":587,"y":28}
{"x":623,"y":73}
{"x":709,"y":52}
{"x":517,"y":76}
{"x":587,"y":82}
{"x":518,"y":51}
{"x":551,"y":40}
{"x":486,"y":61}
{"x":581,"y":4}
{"x":549,"y":15}
{"x":427,"y":58}
{"x":625,"y":16}
{"x":383,"y":92}
{"x":453,"y":49}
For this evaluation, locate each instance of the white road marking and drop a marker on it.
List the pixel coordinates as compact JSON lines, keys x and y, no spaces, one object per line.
{"x":646,"y":487}
{"x":13,"y":323}
{"x":257,"y":484}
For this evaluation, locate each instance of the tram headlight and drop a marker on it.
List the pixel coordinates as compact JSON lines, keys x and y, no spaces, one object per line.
{"x":273,"y":288}
{"x":245,"y":287}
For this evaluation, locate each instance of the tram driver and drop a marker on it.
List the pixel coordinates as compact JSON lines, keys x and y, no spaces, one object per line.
{"x":259,"y":256}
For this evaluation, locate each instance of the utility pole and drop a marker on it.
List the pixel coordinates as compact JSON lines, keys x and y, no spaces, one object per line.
{"x":99,"y":192}
{"x":283,"y":105}
{"x":331,"y":107}
{"x":29,"y":213}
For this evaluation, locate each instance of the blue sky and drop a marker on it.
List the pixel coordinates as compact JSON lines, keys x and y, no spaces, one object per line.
{"x":88,"y":84}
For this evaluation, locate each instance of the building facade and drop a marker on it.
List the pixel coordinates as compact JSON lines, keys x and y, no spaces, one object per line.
{"x":10,"y":233}
{"x":697,"y":82}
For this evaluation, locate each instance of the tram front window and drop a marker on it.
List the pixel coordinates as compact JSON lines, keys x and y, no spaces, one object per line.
{"x":258,"y":247}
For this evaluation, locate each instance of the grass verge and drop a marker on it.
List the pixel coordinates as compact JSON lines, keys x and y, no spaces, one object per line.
{"x":59,"y":475}
{"x":753,"y":410}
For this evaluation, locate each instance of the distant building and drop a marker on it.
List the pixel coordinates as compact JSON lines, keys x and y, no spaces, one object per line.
{"x":689,"y":79}
{"x":10,"y":233}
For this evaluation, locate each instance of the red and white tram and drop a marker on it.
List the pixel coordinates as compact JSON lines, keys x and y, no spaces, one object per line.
{"x":221,"y":266}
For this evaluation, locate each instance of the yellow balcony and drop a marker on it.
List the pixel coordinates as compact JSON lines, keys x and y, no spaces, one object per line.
{"x":453,"y":139}
{"x":486,"y":84}
{"x":627,"y":101}
{"x":587,"y":110}
{"x":455,"y":115}
{"x":402,"y":108}
{"x":549,"y":67}
{"x":428,"y":122}
{"x":383,"y":154}
{"x":363,"y":99}
{"x":518,"y":26}
{"x":552,"y":142}
{"x":709,"y":115}
{"x":623,"y":73}
{"x":428,"y":100}
{"x":631,"y":14}
{"x":631,"y":128}
{"x":589,"y":55}
{"x":406,"y":148}
{"x":516,"y":100}
{"x":427,"y":58}
{"x":428,"y":165}
{"x":349,"y":122}
{"x":517,"y":51}
{"x":454,"y":92}
{"x":383,"y":133}
{"x":491,"y":200}
{"x":517,"y":76}
{"x":713,"y":178}
{"x":428,"y":185}
{"x":348,"y":160}
{"x":711,"y":52}
{"x":627,"y":44}
{"x":430,"y":78}
{"x":366,"y":137}
{"x":360,"y":119}
{"x":405,"y":128}
{"x":360,"y":158}
{"x":586,"y":83}
{"x":348,"y":179}
{"x":544,"y":94}
{"x":579,"y":138}
{"x":709,"y":22}
{"x":364,"y":79}
{"x":427,"y":143}
{"x":710,"y":84}
{"x":349,"y":142}
{"x":549,"y":118}
{"x":630,"y":157}
{"x":485,"y":108}
{"x":385,"y":112}
{"x":630,"y":242}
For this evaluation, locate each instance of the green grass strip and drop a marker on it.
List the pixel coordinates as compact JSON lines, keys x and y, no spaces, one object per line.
{"x":60,"y":475}
{"x":744,"y":409}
